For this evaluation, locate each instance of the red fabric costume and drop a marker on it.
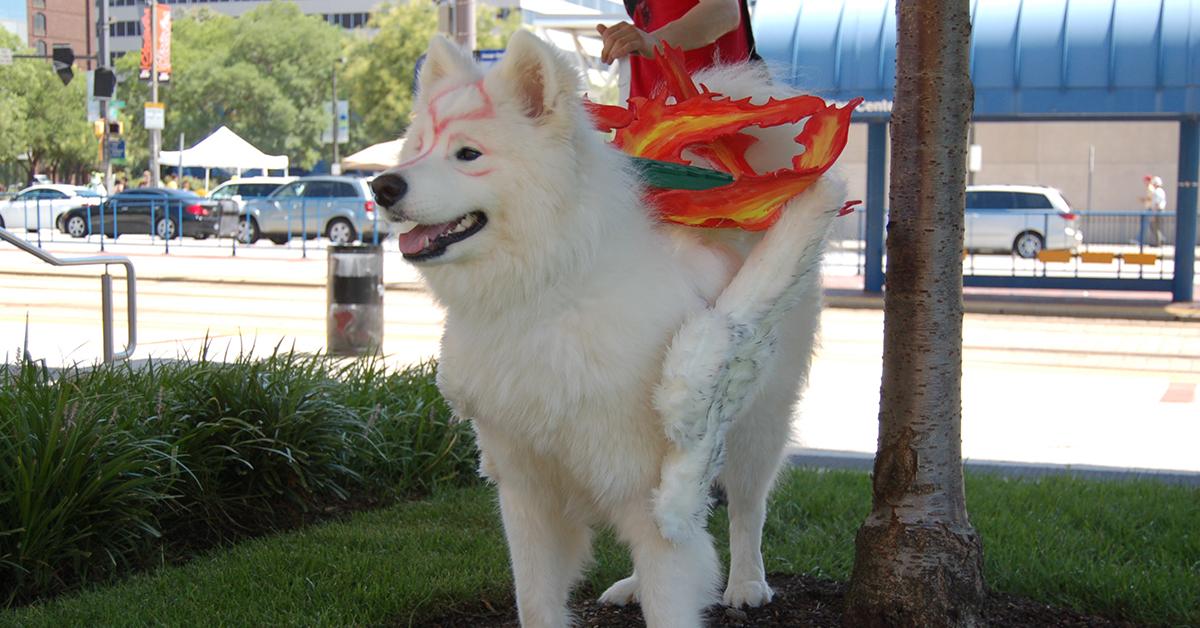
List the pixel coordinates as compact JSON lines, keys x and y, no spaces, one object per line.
{"x":651,"y":15}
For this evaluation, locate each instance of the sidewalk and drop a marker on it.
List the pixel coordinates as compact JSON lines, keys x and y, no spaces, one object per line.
{"x":294,"y":265}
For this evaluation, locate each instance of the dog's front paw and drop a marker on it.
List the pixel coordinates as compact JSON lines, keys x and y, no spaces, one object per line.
{"x":622,"y":592}
{"x":752,"y":593}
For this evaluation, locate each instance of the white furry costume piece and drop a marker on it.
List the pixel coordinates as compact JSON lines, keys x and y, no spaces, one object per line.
{"x":716,"y":360}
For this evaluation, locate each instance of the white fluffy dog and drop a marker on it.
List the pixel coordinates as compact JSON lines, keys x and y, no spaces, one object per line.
{"x":563,"y":294}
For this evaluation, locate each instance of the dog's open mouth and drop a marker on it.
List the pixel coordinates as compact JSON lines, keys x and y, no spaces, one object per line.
{"x":424,"y":242}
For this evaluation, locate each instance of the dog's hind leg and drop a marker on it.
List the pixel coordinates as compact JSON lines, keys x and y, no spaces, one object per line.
{"x":675,"y":582}
{"x":754,"y":450}
{"x":548,"y":551}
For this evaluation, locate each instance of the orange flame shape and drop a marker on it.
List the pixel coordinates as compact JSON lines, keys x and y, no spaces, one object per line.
{"x":709,"y":124}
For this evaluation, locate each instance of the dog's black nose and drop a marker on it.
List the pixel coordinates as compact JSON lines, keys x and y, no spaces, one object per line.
{"x":389,"y":189}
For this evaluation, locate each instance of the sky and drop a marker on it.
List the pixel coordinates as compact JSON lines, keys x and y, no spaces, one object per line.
{"x":12,"y":9}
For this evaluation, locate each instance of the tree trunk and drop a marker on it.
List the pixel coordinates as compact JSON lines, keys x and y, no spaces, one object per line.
{"x":918,"y":561}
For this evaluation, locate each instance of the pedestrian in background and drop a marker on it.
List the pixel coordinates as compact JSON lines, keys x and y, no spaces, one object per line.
{"x":707,"y":30}
{"x":1155,"y":201}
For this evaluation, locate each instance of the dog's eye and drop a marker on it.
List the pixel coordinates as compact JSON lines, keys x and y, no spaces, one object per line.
{"x":467,"y":154}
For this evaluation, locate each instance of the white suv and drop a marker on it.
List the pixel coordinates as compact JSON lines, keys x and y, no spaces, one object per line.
{"x":1023,"y":219}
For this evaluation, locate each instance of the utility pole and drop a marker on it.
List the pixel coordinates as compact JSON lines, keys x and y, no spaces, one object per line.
{"x":335,"y":166}
{"x":464,"y":23}
{"x":155,"y":134}
{"x":459,"y":23}
{"x":102,"y":62}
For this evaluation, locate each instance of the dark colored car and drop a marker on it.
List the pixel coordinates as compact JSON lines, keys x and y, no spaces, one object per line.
{"x":161,"y":212}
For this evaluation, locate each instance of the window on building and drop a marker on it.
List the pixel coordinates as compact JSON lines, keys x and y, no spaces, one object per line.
{"x":39,"y":23}
{"x":38,"y":4}
{"x":41,"y":48}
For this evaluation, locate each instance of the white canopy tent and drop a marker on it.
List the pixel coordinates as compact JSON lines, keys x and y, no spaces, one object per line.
{"x":375,"y":157}
{"x":223,"y":149}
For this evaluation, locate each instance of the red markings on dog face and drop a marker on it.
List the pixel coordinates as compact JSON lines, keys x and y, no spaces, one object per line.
{"x":454,"y":104}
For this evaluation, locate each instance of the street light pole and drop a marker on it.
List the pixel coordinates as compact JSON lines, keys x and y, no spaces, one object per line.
{"x":335,"y":165}
{"x":155,"y":134}
{"x":102,"y":62}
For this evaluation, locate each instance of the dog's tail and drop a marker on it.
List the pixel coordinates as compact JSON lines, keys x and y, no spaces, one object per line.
{"x":713,"y":367}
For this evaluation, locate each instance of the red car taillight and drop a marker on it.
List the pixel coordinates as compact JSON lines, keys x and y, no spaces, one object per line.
{"x":196,"y":210}
{"x":1070,"y":216}
{"x":369,"y":207}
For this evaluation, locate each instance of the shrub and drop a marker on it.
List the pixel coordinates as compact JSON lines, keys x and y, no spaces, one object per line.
{"x":106,"y":469}
{"x":78,"y":493}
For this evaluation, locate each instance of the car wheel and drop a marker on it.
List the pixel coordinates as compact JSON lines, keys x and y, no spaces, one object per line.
{"x":166,"y":229}
{"x":340,"y":231}
{"x":1028,"y":244}
{"x":76,"y":226}
{"x":248,"y":231}
{"x":278,"y":239}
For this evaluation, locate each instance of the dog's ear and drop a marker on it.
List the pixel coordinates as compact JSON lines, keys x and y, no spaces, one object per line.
{"x":443,"y":59}
{"x":539,"y":76}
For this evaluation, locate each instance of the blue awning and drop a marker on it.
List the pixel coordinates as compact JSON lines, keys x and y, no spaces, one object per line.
{"x":1030,"y":59}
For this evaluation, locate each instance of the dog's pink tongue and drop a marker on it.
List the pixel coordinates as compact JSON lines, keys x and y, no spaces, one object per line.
{"x":416,"y":240}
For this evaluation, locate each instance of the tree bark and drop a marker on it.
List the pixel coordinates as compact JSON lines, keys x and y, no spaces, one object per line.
{"x":918,"y":561}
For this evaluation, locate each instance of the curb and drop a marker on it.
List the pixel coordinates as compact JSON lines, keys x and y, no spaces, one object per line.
{"x":857,"y":461}
{"x":1037,"y":306}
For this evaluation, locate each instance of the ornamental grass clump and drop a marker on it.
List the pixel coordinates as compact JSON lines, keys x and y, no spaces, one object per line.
{"x":119,"y":467}
{"x":79,"y":491}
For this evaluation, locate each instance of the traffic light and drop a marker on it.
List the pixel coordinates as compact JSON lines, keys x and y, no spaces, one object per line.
{"x":63,"y":58}
{"x":98,"y":128}
{"x":104,"y":85}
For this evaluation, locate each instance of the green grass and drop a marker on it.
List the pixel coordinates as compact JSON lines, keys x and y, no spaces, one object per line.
{"x":1125,"y":550}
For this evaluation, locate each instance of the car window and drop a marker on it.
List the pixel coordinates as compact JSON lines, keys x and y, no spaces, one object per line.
{"x":1030,"y":200}
{"x":28,"y":195}
{"x":228,"y":191}
{"x":319,"y":189}
{"x":291,"y":190}
{"x":989,"y":200}
{"x":258,"y":190}
{"x":345,"y":190}
{"x":86,"y":193}
{"x":53,"y":194}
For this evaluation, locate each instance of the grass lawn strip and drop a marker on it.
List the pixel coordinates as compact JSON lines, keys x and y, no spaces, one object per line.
{"x":1125,"y":550}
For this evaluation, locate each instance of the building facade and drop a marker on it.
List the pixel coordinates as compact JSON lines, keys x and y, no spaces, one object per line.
{"x":50,"y":22}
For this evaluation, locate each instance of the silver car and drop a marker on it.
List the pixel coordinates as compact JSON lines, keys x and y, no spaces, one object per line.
{"x":339,"y":208}
{"x":1024,"y":219}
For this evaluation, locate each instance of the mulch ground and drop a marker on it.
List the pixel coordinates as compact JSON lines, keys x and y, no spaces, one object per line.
{"x":800,"y":602}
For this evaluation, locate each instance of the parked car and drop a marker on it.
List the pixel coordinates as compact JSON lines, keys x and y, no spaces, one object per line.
{"x":41,"y":205}
{"x":240,"y":191}
{"x":162,"y":212}
{"x":338,"y":207}
{"x":1023,"y":219}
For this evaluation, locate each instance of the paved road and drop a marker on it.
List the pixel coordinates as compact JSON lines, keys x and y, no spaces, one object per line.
{"x":1047,"y":390}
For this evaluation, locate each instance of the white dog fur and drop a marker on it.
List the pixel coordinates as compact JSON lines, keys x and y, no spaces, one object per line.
{"x":559,"y":315}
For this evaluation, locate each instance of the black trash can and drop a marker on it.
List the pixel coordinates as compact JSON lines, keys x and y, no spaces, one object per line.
{"x":355,"y":317}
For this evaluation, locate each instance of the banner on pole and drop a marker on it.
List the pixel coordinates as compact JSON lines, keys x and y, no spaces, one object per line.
{"x":160,"y":49}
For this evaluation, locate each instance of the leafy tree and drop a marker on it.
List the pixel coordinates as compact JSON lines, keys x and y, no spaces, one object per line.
{"x":264,"y":74}
{"x":380,"y":70}
{"x":42,"y":119}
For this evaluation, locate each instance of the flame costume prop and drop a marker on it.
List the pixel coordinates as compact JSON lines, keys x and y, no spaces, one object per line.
{"x":686,"y":117}
{"x":712,"y":370}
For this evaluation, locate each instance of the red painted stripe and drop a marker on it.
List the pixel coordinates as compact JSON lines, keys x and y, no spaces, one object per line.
{"x":1179,"y":392}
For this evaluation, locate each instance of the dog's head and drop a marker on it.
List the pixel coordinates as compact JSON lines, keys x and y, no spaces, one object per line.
{"x":487,"y":160}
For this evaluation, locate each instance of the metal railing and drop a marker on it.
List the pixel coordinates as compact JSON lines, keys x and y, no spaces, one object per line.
{"x":106,"y":303}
